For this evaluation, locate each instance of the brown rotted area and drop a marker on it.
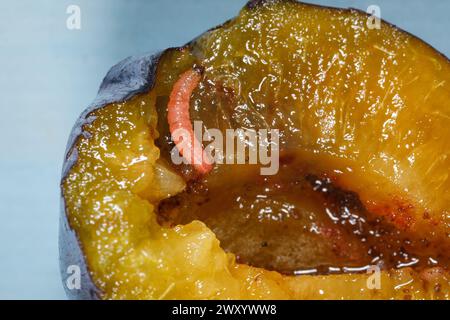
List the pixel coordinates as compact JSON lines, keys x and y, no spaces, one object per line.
{"x":295,"y":223}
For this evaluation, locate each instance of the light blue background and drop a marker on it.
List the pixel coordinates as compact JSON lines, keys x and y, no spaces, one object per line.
{"x":49,"y":74}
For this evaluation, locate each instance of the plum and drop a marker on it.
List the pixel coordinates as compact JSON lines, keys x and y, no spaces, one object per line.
{"x":363,"y":116}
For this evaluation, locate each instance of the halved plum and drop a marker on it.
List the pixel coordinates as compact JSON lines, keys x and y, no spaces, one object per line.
{"x":363,"y":176}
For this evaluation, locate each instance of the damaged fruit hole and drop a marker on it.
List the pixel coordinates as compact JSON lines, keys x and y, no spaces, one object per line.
{"x":294,"y":222}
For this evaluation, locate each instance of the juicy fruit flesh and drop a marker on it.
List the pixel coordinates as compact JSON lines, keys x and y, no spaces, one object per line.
{"x":361,"y":107}
{"x":375,"y":101}
{"x":112,"y":191}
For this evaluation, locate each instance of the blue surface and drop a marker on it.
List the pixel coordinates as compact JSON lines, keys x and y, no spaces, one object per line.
{"x":49,"y":74}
